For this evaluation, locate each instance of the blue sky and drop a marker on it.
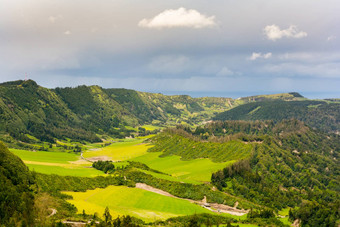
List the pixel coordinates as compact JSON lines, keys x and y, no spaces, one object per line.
{"x":216,"y":48}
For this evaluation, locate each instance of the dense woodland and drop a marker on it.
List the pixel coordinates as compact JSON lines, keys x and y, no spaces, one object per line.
{"x":17,"y":190}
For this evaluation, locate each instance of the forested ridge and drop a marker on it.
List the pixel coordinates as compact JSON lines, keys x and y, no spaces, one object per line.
{"x":84,"y":112}
{"x":322,"y":115}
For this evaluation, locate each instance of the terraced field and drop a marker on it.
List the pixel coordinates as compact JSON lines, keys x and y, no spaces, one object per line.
{"x":61,"y":163}
{"x":122,"y":200}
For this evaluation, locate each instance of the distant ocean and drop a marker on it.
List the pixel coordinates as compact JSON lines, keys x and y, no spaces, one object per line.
{"x":234,"y":95}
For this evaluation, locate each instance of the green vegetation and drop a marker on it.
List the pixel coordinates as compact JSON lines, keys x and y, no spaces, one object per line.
{"x":69,"y":170}
{"x":43,"y":156}
{"x":274,"y":164}
{"x":318,"y":114}
{"x":105,"y":166}
{"x":120,"y":151}
{"x":61,"y":163}
{"x":122,"y":200}
{"x":314,"y":214}
{"x":16,"y":191}
{"x":191,"y":171}
{"x":179,"y":142}
{"x":286,"y":168}
{"x":187,"y":190}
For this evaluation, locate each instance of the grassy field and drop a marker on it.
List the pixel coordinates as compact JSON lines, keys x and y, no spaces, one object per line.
{"x":193,"y":171}
{"x":61,"y":163}
{"x":122,"y":200}
{"x":72,"y":170}
{"x":43,"y":156}
{"x":120,"y":151}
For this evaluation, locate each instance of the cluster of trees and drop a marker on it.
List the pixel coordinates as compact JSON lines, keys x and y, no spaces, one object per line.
{"x":105,"y":166}
{"x":124,"y":221}
{"x":197,"y":220}
{"x":140,"y":165}
{"x":315,"y":214}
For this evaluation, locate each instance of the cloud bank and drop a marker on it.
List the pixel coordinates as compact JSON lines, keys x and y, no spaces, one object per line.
{"x":273,"y":32}
{"x":179,"y":18}
{"x":255,"y":56}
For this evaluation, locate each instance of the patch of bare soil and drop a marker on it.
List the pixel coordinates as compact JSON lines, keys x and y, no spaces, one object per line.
{"x":99,"y":158}
{"x":296,"y":223}
{"x":215,"y":207}
{"x":53,"y":212}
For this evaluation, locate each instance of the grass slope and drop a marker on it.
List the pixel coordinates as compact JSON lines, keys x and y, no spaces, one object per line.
{"x":192,"y":171}
{"x":178,"y":142}
{"x":120,"y":151}
{"x":122,"y":200}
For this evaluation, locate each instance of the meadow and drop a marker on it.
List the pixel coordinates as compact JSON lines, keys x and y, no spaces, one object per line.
{"x":45,"y":156}
{"x":120,"y":151}
{"x":60,"y":163}
{"x":122,"y":200}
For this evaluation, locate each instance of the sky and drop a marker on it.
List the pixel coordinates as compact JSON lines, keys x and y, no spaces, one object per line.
{"x":229,"y":48}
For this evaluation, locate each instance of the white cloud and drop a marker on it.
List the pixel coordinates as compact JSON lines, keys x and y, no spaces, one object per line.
{"x":273,"y":32}
{"x":267,"y":55}
{"x":53,"y":19}
{"x":179,"y":18}
{"x":330,"y":38}
{"x":225,"y":72}
{"x":255,"y":56}
{"x":67,"y":32}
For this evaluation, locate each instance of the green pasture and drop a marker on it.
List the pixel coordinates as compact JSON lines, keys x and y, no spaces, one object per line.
{"x":143,"y":204}
{"x":196,"y":170}
{"x":120,"y":151}
{"x":45,"y":156}
{"x":78,"y":171}
{"x":60,"y":163}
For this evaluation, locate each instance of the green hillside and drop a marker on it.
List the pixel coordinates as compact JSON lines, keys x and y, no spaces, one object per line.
{"x":181,"y":143}
{"x":318,"y":114}
{"x":16,"y":191}
{"x":86,"y":113}
{"x":291,"y":165}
